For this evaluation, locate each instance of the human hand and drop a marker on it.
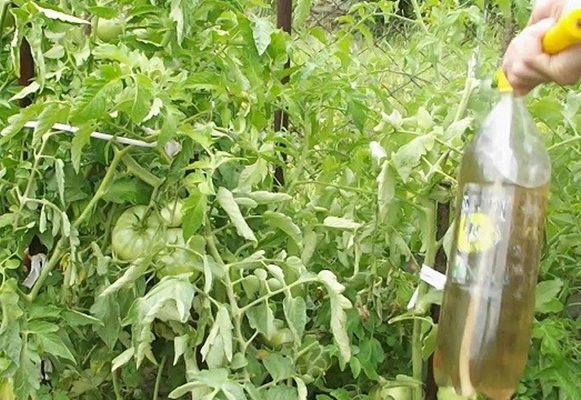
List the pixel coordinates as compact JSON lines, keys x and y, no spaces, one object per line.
{"x":527,"y":66}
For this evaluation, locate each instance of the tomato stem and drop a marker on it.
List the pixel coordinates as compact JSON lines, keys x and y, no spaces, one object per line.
{"x":3,"y":14}
{"x":429,"y":259}
{"x":134,"y":168}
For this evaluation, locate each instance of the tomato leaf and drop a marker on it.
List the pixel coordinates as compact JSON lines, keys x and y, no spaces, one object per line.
{"x":339,"y":303}
{"x":217,"y":350}
{"x":262,"y":30}
{"x":53,"y":344}
{"x":261,"y":318}
{"x":136,"y":100}
{"x":286,"y":224}
{"x":194,"y":211}
{"x":169,"y":300}
{"x":226,"y":200}
{"x":97,"y":94}
{"x":341,"y":223}
{"x":279,"y":367}
{"x":128,"y":190}
{"x":295,"y":311}
{"x":409,"y":155}
{"x":385,"y":188}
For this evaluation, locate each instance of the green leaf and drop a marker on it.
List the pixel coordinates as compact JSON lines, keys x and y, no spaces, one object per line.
{"x":107,"y":310}
{"x":37,"y":326}
{"x":128,"y":190}
{"x":279,"y":367}
{"x":122,"y":359}
{"x":97,"y":93}
{"x":177,"y":15}
{"x":385,"y":188}
{"x":216,"y":378}
{"x":341,"y":223}
{"x":134,"y":271}
{"x":546,"y":293}
{"x":286,"y":224}
{"x":218,"y":347}
{"x":359,"y":113}
{"x":103,"y":12}
{"x":194,"y":211}
{"x":17,"y":121}
{"x":77,"y":318}
{"x":26,"y":91}
{"x":251,"y":175}
{"x":262,"y":30}
{"x":169,"y":300}
{"x":60,"y":178}
{"x":50,"y":115}
{"x":169,"y":127}
{"x":408,"y":156}
{"x":136,"y":100}
{"x":339,"y":304}
{"x":301,"y":12}
{"x":61,"y":16}
{"x":53,"y":344}
{"x":261,"y":318}
{"x":227,"y":202}
{"x":80,"y":139}
{"x":295,"y":312}
{"x":456,"y":130}
{"x":263,"y":197}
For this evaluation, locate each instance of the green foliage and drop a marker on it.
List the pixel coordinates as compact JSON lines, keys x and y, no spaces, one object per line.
{"x":290,"y":292}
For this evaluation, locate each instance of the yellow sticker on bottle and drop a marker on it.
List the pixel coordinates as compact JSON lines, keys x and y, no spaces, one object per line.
{"x":476,"y":233}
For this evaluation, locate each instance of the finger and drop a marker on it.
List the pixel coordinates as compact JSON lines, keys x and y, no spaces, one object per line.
{"x":545,"y":9}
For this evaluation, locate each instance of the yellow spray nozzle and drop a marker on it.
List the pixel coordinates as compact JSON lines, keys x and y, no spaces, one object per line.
{"x":565,"y":33}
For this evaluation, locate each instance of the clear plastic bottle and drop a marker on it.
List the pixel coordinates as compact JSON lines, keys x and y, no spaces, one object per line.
{"x":488,"y":306}
{"x":487,"y":311}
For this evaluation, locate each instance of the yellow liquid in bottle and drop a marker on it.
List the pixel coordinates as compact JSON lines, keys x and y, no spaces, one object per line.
{"x":487,"y":311}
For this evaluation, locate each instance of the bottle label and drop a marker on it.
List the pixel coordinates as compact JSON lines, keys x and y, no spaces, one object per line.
{"x":485,"y":220}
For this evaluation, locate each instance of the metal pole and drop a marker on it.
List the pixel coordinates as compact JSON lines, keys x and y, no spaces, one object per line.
{"x":283,"y":21}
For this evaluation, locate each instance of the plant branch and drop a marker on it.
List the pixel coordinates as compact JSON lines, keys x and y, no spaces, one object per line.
{"x":158,"y":378}
{"x":134,"y":168}
{"x":430,"y":257}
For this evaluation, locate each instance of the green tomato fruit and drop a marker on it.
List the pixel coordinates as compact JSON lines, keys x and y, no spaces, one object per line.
{"x":109,"y":29}
{"x":279,"y":337}
{"x":172,"y":214}
{"x":134,"y":233}
{"x":380,"y":392}
{"x":176,"y":261}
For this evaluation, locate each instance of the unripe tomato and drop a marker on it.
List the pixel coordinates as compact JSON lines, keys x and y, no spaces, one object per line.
{"x":135,"y":232}
{"x":176,"y":261}
{"x":109,"y":29}
{"x":380,"y":392}
{"x":172,"y":214}
{"x":279,"y":338}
